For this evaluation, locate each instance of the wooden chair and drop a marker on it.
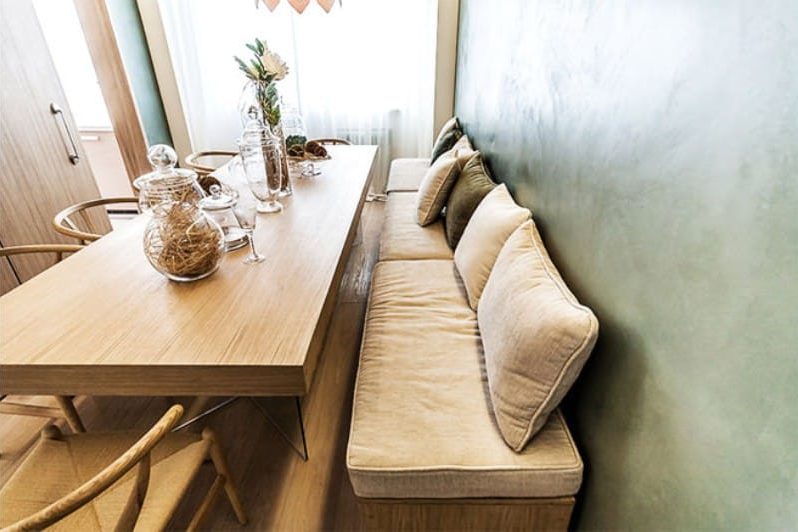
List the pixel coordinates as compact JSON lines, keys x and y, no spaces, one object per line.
{"x":113,"y":480}
{"x":332,"y":141}
{"x":58,"y":249}
{"x":201,"y":169}
{"x":66,"y":408}
{"x":64,"y":224}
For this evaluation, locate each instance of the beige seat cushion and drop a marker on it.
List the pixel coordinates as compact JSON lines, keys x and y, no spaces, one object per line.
{"x":54,"y":468}
{"x":439,"y":180}
{"x":535,"y":333}
{"x":422,"y":423}
{"x":405,"y":175}
{"x":493,"y":221}
{"x":403,"y":238}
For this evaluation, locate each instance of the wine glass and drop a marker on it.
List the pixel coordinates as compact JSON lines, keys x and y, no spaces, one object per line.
{"x":245,"y":211}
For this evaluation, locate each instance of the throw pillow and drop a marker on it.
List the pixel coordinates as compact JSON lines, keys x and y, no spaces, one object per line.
{"x":493,"y":221}
{"x":445,"y":143}
{"x":473,"y":184}
{"x":535,"y":335}
{"x":438,"y":181}
{"x":452,"y":123}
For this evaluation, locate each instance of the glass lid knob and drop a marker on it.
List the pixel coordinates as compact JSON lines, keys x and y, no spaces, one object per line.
{"x":162,"y":157}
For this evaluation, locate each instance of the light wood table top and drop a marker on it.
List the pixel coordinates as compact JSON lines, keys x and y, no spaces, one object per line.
{"x":104,"y":322}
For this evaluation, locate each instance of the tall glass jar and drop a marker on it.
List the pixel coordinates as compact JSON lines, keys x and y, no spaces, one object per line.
{"x":261,"y":157}
{"x":254,"y":94}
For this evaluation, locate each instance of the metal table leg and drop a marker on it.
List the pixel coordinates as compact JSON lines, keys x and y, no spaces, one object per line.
{"x":303,"y":451}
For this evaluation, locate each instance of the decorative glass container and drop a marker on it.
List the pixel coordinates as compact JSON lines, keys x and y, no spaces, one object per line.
{"x":166,"y":183}
{"x":219,"y":206}
{"x":255,"y":94}
{"x":293,"y":126}
{"x":180,"y":240}
{"x":261,"y":156}
{"x":286,"y":188}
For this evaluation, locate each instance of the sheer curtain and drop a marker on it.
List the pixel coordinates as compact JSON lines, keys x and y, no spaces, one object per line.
{"x":364,"y":72}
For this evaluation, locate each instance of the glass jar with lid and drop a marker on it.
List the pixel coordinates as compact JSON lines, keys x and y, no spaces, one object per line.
{"x":260,"y":155}
{"x":180,"y":240}
{"x":166,"y":182}
{"x":219,"y":206}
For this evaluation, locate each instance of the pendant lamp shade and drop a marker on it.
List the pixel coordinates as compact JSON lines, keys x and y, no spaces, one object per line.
{"x":326,"y":5}
{"x":298,"y":5}
{"x":271,"y":4}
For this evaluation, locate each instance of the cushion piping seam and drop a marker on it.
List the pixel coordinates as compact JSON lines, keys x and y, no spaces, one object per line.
{"x":537,"y":412}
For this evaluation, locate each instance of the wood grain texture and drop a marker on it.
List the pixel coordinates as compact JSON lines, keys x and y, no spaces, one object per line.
{"x":117,"y":93}
{"x":466,"y":514}
{"x":123,"y":329}
{"x":104,"y":479}
{"x":280,"y":491}
{"x":36,"y":177}
{"x":8,"y":279}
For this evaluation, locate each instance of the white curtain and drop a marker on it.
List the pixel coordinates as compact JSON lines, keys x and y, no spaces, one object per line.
{"x":364,"y":71}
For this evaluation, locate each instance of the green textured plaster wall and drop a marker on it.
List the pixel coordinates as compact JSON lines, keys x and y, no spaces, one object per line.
{"x":656,"y":143}
{"x":138,"y":64}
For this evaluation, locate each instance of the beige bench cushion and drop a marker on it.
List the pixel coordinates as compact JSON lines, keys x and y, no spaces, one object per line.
{"x":422,"y":424}
{"x":403,"y":238}
{"x":405,"y":175}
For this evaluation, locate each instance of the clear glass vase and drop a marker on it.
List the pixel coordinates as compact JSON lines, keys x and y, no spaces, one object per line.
{"x":254,"y":93}
{"x":286,"y":188}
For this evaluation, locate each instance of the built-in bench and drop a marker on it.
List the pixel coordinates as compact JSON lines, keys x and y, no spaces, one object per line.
{"x":424,"y":449}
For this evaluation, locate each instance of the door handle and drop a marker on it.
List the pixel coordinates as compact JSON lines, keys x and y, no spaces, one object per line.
{"x":74,"y":158}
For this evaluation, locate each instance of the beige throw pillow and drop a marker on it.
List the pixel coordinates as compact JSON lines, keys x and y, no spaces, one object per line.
{"x":535,"y":335}
{"x":439,"y":180}
{"x":494,"y":219}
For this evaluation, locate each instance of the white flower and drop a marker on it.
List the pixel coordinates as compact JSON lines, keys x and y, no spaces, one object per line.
{"x":274,"y":65}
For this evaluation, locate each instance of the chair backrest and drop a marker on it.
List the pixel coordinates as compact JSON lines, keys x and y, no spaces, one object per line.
{"x":202,"y":170}
{"x":63,"y":224}
{"x":328,"y":141}
{"x":138,"y":454}
{"x":10,"y":276}
{"x":58,"y":249}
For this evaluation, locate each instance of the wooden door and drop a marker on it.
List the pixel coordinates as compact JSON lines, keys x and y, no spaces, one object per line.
{"x":37,"y":176}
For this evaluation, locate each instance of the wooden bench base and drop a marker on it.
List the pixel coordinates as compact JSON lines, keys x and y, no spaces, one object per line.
{"x":466,"y":514}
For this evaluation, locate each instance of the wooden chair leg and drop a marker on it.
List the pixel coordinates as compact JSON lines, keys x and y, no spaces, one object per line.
{"x":197,"y":406}
{"x":222,"y":470}
{"x":70,"y":413}
{"x":207,"y":504}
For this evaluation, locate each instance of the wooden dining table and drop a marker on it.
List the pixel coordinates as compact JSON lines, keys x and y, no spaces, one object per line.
{"x":105,"y":322}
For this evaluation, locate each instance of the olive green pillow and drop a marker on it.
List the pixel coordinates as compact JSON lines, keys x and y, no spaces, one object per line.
{"x":473,"y":184}
{"x":445,"y":143}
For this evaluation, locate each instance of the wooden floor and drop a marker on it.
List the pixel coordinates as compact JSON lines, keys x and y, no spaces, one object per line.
{"x":280,"y":491}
